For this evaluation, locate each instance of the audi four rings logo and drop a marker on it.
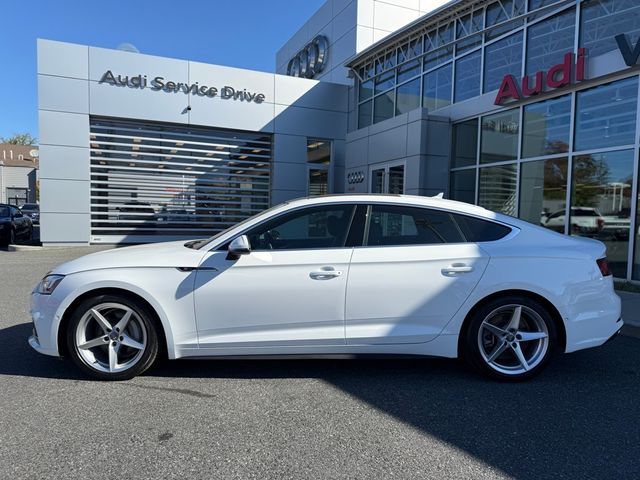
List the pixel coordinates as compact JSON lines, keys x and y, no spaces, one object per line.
{"x":355,"y":177}
{"x":310,"y":60}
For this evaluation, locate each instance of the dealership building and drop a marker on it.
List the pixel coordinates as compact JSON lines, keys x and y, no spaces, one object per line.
{"x":526,"y":107}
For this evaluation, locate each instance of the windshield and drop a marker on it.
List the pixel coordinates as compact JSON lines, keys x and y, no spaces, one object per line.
{"x":198,"y":244}
{"x":29,"y":206}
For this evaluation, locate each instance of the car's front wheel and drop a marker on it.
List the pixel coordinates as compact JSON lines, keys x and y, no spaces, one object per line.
{"x":112,"y":337}
{"x":510,"y":338}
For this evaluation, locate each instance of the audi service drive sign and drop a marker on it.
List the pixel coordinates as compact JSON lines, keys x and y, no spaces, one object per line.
{"x":161,"y":84}
{"x":310,"y":60}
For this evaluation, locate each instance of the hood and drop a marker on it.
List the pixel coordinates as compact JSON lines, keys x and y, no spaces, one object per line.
{"x":154,"y":255}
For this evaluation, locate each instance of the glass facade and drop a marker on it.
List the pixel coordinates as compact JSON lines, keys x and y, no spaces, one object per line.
{"x":502,"y":58}
{"x":318,"y":166}
{"x":578,"y":186}
{"x":546,"y":127}
{"x":549,"y":40}
{"x":606,"y":115}
{"x":499,"y":137}
{"x":468,"y":54}
{"x":602,"y":20}
{"x":543,"y":192}
{"x":601,"y":202}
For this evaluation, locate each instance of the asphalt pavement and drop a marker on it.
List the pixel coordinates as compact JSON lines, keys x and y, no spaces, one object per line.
{"x":307,"y":419}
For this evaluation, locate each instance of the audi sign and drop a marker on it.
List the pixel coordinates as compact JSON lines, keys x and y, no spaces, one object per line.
{"x":310,"y":60}
{"x":355,"y":177}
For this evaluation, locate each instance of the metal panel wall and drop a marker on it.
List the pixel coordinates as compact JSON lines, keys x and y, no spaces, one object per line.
{"x":154,"y":181}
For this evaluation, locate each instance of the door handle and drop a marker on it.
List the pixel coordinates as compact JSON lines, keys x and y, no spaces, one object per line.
{"x":457,"y":268}
{"x":325,"y":273}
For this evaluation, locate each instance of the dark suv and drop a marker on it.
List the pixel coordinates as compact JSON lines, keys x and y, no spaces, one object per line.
{"x":14,"y":225}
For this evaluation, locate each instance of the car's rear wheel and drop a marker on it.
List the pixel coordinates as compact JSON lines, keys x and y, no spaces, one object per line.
{"x":510,"y":338}
{"x":112,"y":337}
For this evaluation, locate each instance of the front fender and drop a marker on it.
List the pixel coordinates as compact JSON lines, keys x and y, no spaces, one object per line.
{"x":169,"y":292}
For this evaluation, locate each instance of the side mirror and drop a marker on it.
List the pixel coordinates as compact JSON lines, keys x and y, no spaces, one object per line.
{"x":239,"y":246}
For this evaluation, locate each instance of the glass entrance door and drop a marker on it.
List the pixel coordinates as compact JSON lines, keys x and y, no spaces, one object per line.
{"x":388,"y":178}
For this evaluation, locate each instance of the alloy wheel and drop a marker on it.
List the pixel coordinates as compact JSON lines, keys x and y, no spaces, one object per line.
{"x":111,"y":338}
{"x":513,"y":339}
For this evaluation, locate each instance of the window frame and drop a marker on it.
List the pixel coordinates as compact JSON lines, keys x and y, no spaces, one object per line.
{"x":451,"y":213}
{"x":348,"y":238}
{"x":359,"y":226}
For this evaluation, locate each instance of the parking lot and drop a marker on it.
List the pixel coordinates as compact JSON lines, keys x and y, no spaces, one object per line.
{"x":307,"y":418}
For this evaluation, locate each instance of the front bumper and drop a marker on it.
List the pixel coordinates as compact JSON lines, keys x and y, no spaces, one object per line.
{"x":45,"y":318}
{"x":35,"y":344}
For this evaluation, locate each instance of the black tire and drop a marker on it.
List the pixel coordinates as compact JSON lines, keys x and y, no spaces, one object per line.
{"x":12,"y":237}
{"x":470,"y":344}
{"x":146,"y":321}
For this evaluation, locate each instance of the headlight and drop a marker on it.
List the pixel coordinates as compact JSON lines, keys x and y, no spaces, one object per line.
{"x":49,"y":284}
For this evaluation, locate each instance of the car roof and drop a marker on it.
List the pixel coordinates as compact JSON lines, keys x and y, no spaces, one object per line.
{"x":418,"y":200}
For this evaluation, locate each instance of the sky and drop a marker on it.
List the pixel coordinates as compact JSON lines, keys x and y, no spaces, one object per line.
{"x":240,"y":33}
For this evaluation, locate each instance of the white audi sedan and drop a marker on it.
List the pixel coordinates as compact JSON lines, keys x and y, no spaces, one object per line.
{"x":341,"y":275}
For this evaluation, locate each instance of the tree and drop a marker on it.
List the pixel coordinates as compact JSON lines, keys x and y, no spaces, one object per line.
{"x":20,"y":139}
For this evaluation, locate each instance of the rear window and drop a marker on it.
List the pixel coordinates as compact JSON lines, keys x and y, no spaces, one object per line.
{"x":403,"y":225}
{"x":477,"y":230}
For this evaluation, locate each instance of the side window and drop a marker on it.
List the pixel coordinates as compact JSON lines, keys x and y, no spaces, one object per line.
{"x":477,"y":230}
{"x":400,"y":225}
{"x":324,"y":226}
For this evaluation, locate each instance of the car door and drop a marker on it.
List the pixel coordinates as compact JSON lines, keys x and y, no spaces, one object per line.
{"x":410,"y":277}
{"x":19,"y":221}
{"x":289,"y":291}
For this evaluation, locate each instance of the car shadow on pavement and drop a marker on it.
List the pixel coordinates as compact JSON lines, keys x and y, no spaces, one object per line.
{"x":17,"y":357}
{"x":579,"y":419}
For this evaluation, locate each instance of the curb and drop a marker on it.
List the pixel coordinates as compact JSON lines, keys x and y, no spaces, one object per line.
{"x":24,"y":248}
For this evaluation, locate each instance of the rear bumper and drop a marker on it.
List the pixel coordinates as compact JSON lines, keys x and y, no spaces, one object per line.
{"x":615,"y":334}
{"x":593,"y":321}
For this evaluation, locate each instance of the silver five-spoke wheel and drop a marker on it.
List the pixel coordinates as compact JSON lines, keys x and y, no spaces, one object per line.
{"x":513,"y":339}
{"x":110,"y":337}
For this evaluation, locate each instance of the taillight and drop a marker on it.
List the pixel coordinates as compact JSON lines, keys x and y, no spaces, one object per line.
{"x":600,"y":223}
{"x":603,"y":265}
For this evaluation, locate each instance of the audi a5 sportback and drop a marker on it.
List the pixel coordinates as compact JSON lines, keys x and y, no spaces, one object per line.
{"x":350,"y":274}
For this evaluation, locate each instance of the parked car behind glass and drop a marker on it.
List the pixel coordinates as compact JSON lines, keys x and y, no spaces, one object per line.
{"x":585,"y":221}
